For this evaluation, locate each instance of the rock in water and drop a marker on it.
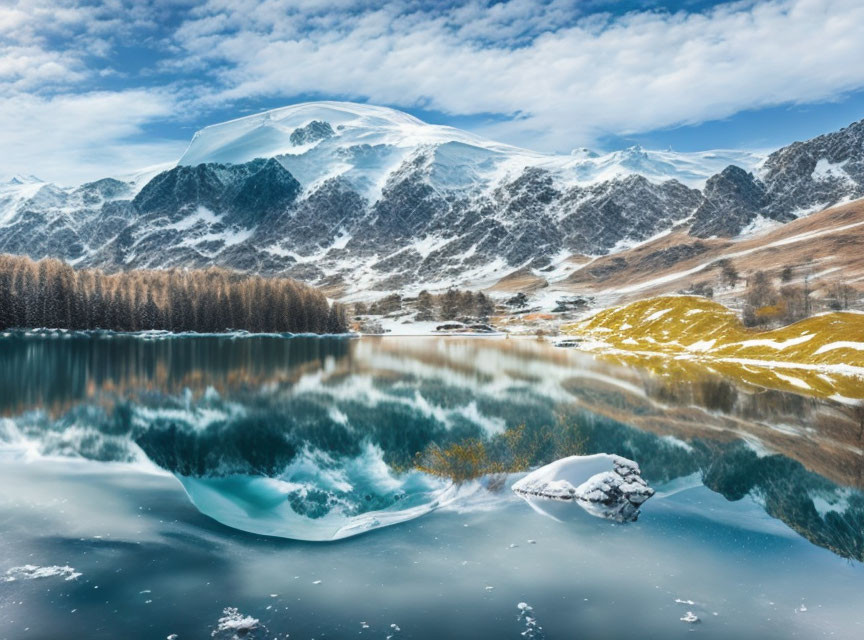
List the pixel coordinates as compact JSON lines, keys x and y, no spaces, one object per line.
{"x":606,"y":486}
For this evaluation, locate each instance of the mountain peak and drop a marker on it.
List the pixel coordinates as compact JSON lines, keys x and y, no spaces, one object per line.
{"x":21,"y":179}
{"x":371,"y":198}
{"x":584,"y":153}
{"x":269,"y":133}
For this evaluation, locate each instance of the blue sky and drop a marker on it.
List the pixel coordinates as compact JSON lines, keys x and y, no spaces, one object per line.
{"x":91,"y":88}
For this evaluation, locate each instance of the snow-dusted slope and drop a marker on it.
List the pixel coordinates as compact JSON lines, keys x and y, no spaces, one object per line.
{"x":16,"y":191}
{"x":691,"y":169}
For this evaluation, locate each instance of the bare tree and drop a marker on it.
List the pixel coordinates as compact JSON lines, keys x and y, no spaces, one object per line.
{"x":728,"y":273}
{"x":761,"y":296}
{"x":841,"y":296}
{"x":450,"y":304}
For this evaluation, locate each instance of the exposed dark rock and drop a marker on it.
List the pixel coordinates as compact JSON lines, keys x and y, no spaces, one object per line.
{"x":733,"y":199}
{"x":670,"y":256}
{"x":312,"y":132}
{"x":818,"y":173}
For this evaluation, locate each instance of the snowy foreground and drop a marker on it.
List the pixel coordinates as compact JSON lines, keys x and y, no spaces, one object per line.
{"x":151,"y":566}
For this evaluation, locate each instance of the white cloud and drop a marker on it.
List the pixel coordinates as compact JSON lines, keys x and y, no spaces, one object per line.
{"x":75,"y":138}
{"x":54,"y":122}
{"x":563,"y":85}
{"x":562,"y":76}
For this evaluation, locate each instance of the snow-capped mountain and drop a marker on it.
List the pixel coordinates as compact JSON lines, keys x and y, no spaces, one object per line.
{"x":365,"y":198}
{"x":364,"y":144}
{"x":793,"y":181}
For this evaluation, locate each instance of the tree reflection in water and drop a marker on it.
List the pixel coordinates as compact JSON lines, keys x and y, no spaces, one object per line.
{"x":458,"y":409}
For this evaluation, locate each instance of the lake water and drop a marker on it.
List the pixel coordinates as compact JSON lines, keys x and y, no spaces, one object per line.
{"x":360,"y":488}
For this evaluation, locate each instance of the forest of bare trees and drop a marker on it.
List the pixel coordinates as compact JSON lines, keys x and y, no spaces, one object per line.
{"x":52,"y":294}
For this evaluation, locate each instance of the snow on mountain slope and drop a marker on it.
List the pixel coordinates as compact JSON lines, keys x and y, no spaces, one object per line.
{"x":363,"y":143}
{"x":268,"y":134}
{"x":366,"y":143}
{"x":14,"y":192}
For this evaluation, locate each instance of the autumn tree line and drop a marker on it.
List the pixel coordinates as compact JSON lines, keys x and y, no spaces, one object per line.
{"x":450,"y":305}
{"x":52,"y":294}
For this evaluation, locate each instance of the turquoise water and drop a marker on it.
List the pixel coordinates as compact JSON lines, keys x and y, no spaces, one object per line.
{"x":321,"y":487}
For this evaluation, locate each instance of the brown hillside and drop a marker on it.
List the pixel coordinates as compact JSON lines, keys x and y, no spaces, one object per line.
{"x":831,"y":242}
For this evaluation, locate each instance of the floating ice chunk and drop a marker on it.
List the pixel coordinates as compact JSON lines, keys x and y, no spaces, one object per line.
{"x":32,"y":572}
{"x":605,"y":485}
{"x":233,"y":625}
{"x":690,"y":618}
{"x":533,"y":631}
{"x":680,"y":601}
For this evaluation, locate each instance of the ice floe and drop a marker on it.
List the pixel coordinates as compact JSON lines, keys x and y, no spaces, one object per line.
{"x":32,"y":572}
{"x":533,"y":631}
{"x":233,"y":625}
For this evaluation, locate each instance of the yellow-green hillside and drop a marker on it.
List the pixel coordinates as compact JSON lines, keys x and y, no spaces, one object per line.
{"x":822,"y":355}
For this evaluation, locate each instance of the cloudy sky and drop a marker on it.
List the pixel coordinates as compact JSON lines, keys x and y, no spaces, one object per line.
{"x":89,"y":89}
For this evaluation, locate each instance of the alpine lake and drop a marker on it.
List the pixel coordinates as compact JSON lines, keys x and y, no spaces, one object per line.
{"x":256,"y":487}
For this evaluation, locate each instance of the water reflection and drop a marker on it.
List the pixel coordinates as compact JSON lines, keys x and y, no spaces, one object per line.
{"x":320,"y":438}
{"x":54,"y":371}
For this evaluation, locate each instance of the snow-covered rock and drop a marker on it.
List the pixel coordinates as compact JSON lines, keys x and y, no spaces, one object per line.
{"x":605,"y":485}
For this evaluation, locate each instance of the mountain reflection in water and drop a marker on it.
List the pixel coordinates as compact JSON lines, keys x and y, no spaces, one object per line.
{"x":308,"y":429}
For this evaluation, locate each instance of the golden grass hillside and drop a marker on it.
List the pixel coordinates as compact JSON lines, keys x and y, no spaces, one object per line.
{"x":822,"y":355}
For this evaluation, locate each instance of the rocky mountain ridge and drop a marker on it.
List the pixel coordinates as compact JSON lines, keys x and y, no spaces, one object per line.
{"x":793,"y":181}
{"x":369,"y":199}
